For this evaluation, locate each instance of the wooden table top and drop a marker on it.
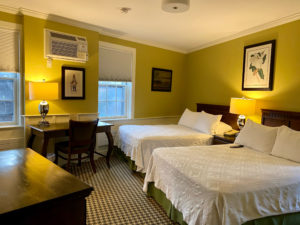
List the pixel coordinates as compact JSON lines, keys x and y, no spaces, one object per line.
{"x":61,"y":126}
{"x":27,"y":179}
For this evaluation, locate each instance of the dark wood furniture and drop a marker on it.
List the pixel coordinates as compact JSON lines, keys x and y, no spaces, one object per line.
{"x":82,"y":140}
{"x":62,"y":130}
{"x":227,"y":117}
{"x":275,"y":118}
{"x":221,"y":139}
{"x":34,"y":191}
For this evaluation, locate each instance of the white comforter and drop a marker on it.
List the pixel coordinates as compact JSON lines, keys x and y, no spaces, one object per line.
{"x":138,"y":141}
{"x":218,"y":185}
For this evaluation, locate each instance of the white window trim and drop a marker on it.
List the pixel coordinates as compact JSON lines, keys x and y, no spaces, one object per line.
{"x":16,"y":100}
{"x":18,"y":91}
{"x":122,"y":48}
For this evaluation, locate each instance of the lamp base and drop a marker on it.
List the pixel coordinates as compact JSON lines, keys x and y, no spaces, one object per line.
{"x":241,"y":121}
{"x":44,"y":109}
{"x":44,"y":123}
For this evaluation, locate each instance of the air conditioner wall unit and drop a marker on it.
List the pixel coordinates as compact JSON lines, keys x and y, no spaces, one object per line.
{"x":63,"y":46}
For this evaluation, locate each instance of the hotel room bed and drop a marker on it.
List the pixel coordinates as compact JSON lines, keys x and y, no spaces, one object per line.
{"x":138,"y":141}
{"x":222,"y":185}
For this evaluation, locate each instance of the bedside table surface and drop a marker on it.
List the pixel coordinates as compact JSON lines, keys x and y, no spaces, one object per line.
{"x":226,"y":139}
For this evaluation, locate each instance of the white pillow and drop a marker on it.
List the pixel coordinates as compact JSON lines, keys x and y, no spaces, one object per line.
{"x":287,"y":144}
{"x":222,"y":128}
{"x":189,"y":118}
{"x":257,"y":136}
{"x":207,"y":123}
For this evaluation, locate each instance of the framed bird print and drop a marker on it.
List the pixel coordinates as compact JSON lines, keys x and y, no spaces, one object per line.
{"x":258,"y":66}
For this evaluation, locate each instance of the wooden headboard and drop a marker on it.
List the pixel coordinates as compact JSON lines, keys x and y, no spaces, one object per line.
{"x":276,"y":118}
{"x":227,"y":117}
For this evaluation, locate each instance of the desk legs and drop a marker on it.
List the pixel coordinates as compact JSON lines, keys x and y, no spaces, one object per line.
{"x":44,"y":146}
{"x":110,"y":146}
{"x":30,"y":141}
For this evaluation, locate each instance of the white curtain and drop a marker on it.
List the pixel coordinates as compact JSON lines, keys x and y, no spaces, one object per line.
{"x":9,"y":50}
{"x":114,"y":65}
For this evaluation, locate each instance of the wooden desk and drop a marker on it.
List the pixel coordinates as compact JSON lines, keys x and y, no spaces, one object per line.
{"x":62,"y":130}
{"x":34,"y":191}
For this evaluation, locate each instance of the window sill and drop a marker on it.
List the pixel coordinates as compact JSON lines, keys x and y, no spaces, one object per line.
{"x":114,"y":119}
{"x":10,"y":126}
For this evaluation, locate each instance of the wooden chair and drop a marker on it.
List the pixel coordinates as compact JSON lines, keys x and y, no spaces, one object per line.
{"x":82,"y":140}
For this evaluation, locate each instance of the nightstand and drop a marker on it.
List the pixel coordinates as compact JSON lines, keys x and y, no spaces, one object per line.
{"x":221,"y":139}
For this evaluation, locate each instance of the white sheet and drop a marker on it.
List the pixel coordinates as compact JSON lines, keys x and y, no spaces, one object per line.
{"x":218,"y":185}
{"x":138,"y":141}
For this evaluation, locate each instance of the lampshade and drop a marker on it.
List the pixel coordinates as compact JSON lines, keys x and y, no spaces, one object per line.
{"x":242,"y":106}
{"x":43,"y":91}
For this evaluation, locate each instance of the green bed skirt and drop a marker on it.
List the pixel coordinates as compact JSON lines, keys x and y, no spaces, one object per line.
{"x":121,"y":155}
{"x":175,"y":215}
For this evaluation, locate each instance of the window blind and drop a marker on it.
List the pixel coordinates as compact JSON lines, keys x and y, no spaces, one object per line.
{"x":9,"y":50}
{"x":114,"y":65}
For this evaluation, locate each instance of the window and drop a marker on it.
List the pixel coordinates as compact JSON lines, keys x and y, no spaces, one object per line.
{"x":116,"y":81}
{"x":9,"y":73}
{"x":9,"y":101}
{"x":114,"y":100}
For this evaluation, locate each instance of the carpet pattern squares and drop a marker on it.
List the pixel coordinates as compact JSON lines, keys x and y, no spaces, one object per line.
{"x":118,"y":197}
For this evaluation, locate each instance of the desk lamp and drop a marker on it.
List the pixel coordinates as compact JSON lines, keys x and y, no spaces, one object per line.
{"x":244,"y":107}
{"x":43,"y":91}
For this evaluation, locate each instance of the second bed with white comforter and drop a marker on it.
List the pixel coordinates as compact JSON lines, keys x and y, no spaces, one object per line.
{"x":225,"y":186}
{"x":139,"y":141}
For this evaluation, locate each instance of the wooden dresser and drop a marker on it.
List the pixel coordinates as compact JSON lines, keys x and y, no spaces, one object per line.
{"x":34,"y":191}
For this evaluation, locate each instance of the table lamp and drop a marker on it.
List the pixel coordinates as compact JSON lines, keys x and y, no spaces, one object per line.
{"x":43,"y":91}
{"x":244,"y":107}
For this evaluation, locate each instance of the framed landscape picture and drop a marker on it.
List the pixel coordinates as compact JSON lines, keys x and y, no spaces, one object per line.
{"x":161,"y":79}
{"x":73,"y":83}
{"x":259,"y":66}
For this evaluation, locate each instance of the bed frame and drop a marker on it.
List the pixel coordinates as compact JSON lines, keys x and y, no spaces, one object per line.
{"x":276,"y":118}
{"x":227,"y":117}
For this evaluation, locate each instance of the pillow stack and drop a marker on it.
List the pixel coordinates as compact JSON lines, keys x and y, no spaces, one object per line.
{"x":257,"y":136}
{"x":201,"y":121}
{"x":287,"y":144}
{"x":281,"y":141}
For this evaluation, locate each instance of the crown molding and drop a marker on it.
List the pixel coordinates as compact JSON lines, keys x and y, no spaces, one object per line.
{"x":8,"y":9}
{"x":252,"y":30}
{"x":99,"y":29}
{"x":124,"y":36}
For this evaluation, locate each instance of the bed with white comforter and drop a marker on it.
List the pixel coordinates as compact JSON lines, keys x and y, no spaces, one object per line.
{"x":138,"y":141}
{"x":218,"y":185}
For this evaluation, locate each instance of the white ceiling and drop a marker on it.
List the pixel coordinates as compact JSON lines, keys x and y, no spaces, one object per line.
{"x":206,"y":22}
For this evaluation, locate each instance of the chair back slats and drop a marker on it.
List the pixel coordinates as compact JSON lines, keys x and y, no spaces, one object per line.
{"x":82,"y":134}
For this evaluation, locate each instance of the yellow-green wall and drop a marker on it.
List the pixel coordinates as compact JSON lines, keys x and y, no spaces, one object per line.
{"x":147,"y":103}
{"x":212,"y":75}
{"x":7,"y":17}
{"x":215,"y":73}
{"x":35,"y":66}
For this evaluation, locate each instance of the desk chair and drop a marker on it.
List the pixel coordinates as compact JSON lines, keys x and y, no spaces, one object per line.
{"x":82,"y":140}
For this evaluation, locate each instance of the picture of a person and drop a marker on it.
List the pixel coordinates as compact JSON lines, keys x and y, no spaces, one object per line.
{"x":74,"y":84}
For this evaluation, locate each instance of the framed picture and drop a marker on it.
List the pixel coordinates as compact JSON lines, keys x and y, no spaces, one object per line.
{"x":258,"y":66}
{"x":161,"y":79}
{"x":73,"y":83}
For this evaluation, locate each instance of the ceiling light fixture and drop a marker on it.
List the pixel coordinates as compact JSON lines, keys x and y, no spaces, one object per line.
{"x":125,"y":10}
{"x":175,"y":6}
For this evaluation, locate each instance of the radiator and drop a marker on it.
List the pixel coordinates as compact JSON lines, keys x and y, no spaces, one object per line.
{"x":11,"y":143}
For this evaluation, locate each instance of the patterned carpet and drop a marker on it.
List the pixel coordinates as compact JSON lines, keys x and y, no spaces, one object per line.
{"x":118,"y":197}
